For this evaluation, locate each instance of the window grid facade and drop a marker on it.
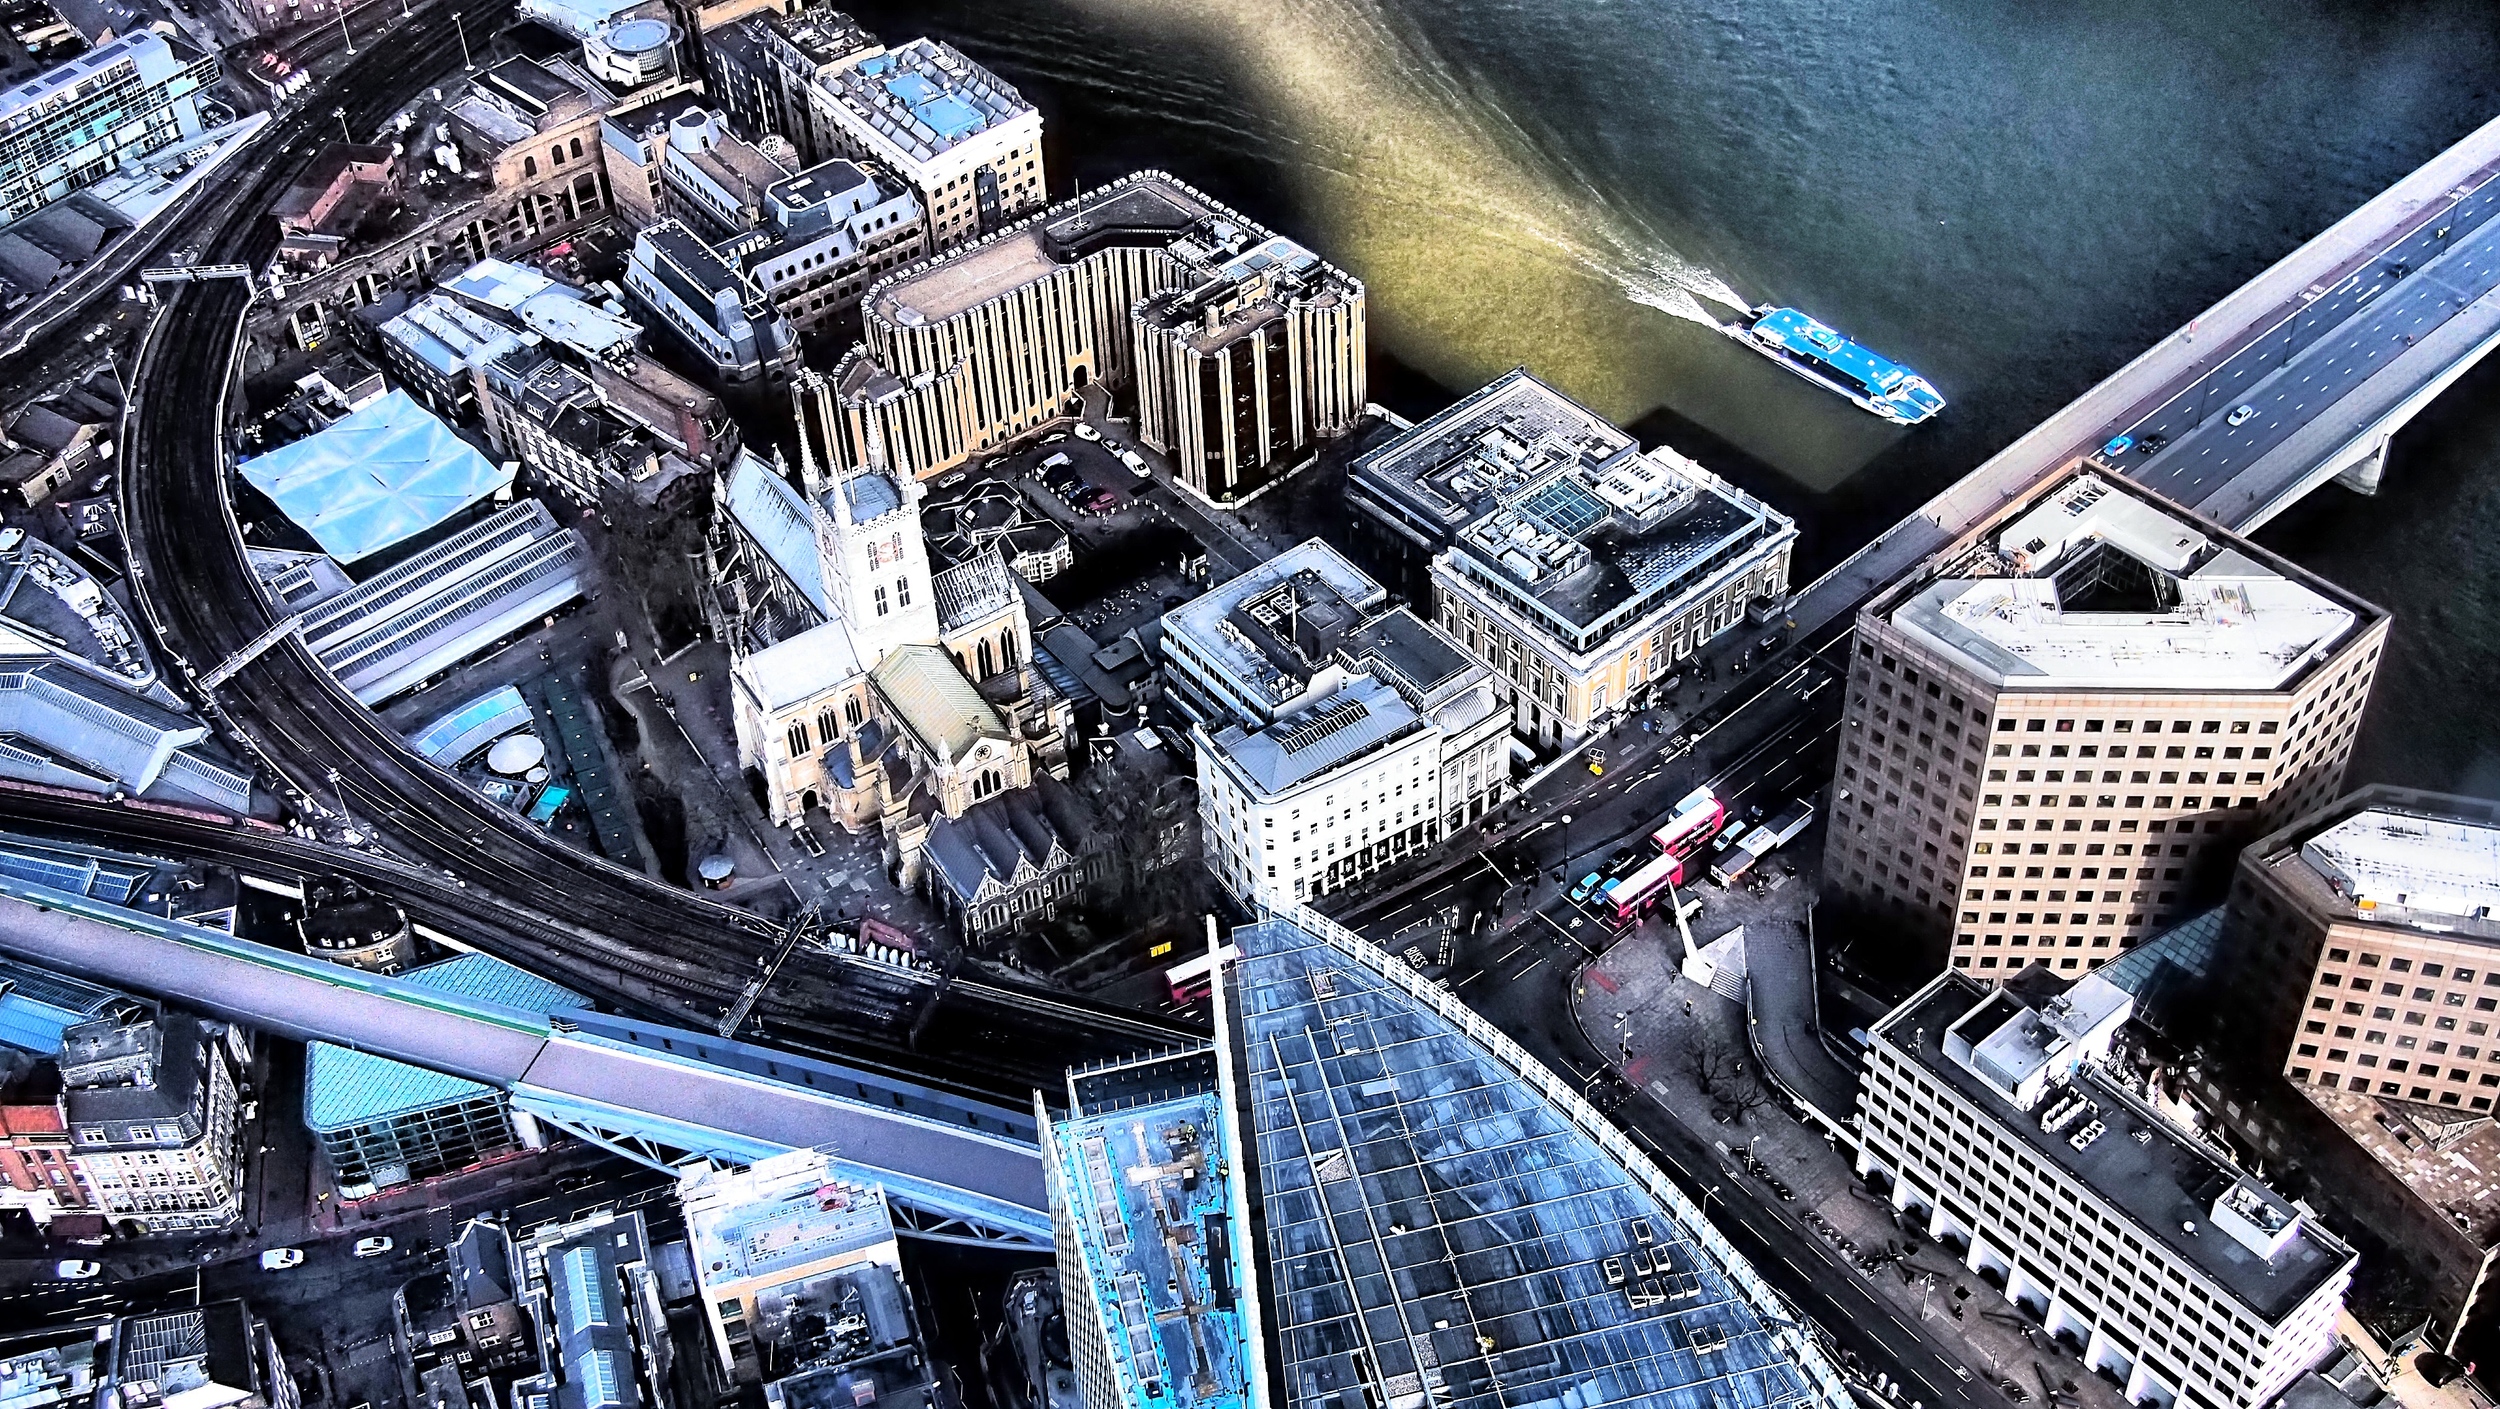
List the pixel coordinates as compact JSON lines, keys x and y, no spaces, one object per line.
{"x":2074,"y":1261}
{"x":2065,"y":827}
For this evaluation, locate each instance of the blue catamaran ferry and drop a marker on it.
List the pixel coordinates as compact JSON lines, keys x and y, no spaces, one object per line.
{"x":1822,"y":356}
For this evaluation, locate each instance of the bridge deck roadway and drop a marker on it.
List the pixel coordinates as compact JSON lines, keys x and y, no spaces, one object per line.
{"x":2318,"y":309}
{"x":952,"y":1156}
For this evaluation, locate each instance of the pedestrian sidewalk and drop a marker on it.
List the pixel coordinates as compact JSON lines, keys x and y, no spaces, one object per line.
{"x":1682,"y":1046}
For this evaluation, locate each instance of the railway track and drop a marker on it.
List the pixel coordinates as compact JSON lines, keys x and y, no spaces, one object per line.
{"x":464,"y":865}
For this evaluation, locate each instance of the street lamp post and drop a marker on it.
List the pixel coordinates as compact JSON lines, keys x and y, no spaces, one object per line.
{"x":463,"y":30}
{"x":343,"y":34}
{"x":341,"y":113}
{"x":1706,"y":1196}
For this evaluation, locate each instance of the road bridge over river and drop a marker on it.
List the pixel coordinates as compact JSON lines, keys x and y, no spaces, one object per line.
{"x":2331,"y":351}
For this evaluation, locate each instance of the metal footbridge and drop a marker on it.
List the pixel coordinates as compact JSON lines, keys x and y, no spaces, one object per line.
{"x":955,"y":1169}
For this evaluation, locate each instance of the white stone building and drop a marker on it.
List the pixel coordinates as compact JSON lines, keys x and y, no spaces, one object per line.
{"x":1997,"y":1121}
{"x":1334,"y":734}
{"x":1580,"y":569}
{"x":959,"y":135}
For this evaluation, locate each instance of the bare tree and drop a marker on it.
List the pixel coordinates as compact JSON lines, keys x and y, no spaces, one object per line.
{"x":1717,"y":1066}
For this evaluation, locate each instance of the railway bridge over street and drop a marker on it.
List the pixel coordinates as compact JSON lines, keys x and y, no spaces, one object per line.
{"x":955,"y":1168}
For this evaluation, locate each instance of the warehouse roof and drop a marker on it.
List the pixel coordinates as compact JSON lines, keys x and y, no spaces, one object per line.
{"x":380,"y":476}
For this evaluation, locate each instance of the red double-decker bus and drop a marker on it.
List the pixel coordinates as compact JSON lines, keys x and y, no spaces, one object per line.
{"x":1693,"y":823}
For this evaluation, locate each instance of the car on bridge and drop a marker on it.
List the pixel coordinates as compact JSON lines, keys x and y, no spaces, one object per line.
{"x":2240,"y":415}
{"x":2118,"y":445}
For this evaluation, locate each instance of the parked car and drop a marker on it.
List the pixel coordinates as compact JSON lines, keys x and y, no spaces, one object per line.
{"x":77,"y":1270}
{"x":1136,"y":464}
{"x":1103,"y":502}
{"x":1588,"y":884}
{"x":373,"y":1247}
{"x":280,"y":1259}
{"x":1059,"y":461}
{"x":1086,"y":432}
{"x":2240,"y":414}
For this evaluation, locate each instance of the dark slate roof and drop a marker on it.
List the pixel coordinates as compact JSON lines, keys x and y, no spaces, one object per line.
{"x":1015,"y":837}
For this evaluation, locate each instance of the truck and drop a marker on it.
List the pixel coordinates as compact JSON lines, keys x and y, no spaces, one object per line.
{"x":1761,"y":841}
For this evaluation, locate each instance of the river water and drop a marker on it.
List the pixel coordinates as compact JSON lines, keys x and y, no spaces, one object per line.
{"x":2012,"y":198}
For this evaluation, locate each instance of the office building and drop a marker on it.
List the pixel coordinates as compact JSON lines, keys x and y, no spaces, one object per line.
{"x":381,"y":1124}
{"x":1580,"y":569}
{"x":966,"y":143}
{"x":713,"y":309}
{"x":2371,"y":956}
{"x":1361,"y":1193}
{"x":812,"y":239}
{"x":634,"y":52}
{"x":2060,"y":728}
{"x":71,"y":126}
{"x":2001,"y":1119}
{"x":1334,"y":734}
{"x":2356,"y":1042}
{"x":551,"y":416}
{"x":189,"y":1357}
{"x":801,"y":1283}
{"x":152,"y":1106}
{"x":1243,"y":349}
{"x":594,"y":1297}
{"x":1244,"y":369}
{"x":758,"y":69}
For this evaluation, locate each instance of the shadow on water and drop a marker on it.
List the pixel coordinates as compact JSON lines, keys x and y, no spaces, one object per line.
{"x":2014,"y":202}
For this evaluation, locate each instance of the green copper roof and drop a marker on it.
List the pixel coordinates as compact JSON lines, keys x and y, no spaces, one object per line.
{"x":344,"y":1087}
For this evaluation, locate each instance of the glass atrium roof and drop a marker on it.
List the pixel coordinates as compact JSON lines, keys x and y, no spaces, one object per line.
{"x":1451,"y":1225}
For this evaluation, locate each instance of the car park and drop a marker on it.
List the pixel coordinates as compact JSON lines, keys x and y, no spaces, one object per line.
{"x":372,"y":1247}
{"x":280,"y":1259}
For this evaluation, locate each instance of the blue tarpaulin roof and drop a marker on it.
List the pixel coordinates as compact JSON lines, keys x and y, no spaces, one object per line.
{"x":379,"y":477}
